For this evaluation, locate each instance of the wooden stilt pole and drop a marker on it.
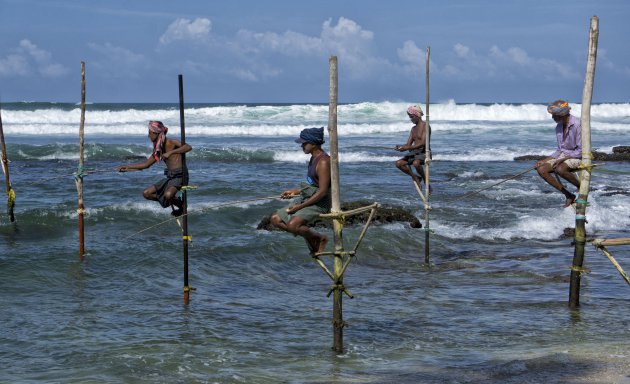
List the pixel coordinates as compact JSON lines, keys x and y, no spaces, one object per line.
{"x":7,"y":179}
{"x":185,"y":236}
{"x":427,"y":161}
{"x":585,"y":177}
{"x":338,"y":322}
{"x":79,"y":177}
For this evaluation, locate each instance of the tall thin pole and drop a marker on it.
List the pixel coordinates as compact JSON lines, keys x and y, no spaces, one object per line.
{"x":185,"y":236}
{"x":585,"y":177}
{"x":79,"y":178}
{"x":7,"y":179}
{"x":338,"y":323}
{"x":427,"y":161}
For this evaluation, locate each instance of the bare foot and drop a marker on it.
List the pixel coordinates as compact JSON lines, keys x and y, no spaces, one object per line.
{"x":321,"y":244}
{"x":570,"y":200}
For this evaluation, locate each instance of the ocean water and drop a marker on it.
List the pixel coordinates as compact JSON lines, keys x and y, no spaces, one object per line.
{"x":490,"y":307}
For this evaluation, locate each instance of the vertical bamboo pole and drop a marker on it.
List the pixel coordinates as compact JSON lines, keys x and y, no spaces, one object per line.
{"x":79,"y":178}
{"x":7,"y":179}
{"x":585,"y":177}
{"x":185,"y":236}
{"x":336,"y":207}
{"x":427,"y":161}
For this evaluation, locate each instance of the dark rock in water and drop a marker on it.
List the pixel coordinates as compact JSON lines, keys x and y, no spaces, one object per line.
{"x":611,"y":191}
{"x":135,"y":157}
{"x":529,"y":158}
{"x":383,"y":215}
{"x":568,"y":233}
{"x":620,"y":153}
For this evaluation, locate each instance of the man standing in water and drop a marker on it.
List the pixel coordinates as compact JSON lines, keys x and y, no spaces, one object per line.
{"x":567,"y":157}
{"x":171,"y":150}
{"x":416,"y":145}
{"x":314,"y":196}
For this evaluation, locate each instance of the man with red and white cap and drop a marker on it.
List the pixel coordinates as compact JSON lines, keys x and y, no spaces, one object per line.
{"x":170,"y":150}
{"x":416,"y":144}
{"x":567,"y":157}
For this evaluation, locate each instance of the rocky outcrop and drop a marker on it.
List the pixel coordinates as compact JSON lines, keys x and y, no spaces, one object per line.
{"x":383,"y":215}
{"x":621,"y":153}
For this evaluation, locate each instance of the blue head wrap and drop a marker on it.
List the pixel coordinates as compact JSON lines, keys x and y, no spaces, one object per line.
{"x":314,"y":136}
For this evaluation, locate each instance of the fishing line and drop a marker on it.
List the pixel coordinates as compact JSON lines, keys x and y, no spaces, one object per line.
{"x":205,"y":209}
{"x":493,"y":185}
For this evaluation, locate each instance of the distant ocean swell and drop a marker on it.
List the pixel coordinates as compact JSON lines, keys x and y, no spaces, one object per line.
{"x":273,"y":120}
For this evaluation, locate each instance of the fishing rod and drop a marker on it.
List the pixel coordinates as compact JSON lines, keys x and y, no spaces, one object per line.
{"x":207,"y":208}
{"x":85,"y":172}
{"x":494,"y":185}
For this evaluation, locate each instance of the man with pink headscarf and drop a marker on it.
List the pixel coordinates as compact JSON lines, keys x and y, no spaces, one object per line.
{"x":568,"y":154}
{"x":416,"y":144}
{"x":169,"y":150}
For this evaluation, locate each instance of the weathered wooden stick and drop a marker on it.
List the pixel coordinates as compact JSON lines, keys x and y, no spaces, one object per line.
{"x":79,"y":176}
{"x":186,"y":237}
{"x":427,"y":161}
{"x":338,"y":322}
{"x":365,"y":227}
{"x":7,"y":179}
{"x":585,"y":177}
{"x":611,"y":242}
{"x":324,"y":267}
{"x":416,"y":183}
{"x":616,"y":264}
{"x":351,"y":212}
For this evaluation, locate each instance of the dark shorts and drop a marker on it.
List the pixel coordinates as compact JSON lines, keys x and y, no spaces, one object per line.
{"x":413,"y":157}
{"x":311,"y":213}
{"x":174,"y":178}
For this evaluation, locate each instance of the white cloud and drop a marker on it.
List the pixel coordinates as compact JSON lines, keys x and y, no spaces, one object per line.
{"x":119,"y":54}
{"x":410,"y":53}
{"x":117,"y":61}
{"x":29,"y":58}
{"x":346,"y":39}
{"x":185,"y":29}
{"x":514,"y":62}
{"x":16,"y":65}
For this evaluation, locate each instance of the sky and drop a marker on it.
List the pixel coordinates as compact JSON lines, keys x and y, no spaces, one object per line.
{"x":255,"y":51}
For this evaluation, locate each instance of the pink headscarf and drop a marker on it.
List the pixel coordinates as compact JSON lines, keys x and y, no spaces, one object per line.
{"x":415,"y":110}
{"x":161,"y":130}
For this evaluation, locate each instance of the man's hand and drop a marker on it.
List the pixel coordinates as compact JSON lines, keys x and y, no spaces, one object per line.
{"x":292,"y":209}
{"x":290,"y":193}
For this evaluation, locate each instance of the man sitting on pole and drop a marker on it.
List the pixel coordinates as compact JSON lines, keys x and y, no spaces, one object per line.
{"x":567,"y":157}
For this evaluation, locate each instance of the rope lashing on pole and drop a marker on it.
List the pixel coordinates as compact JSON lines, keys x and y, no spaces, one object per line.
{"x":7,"y":179}
{"x":341,"y":216}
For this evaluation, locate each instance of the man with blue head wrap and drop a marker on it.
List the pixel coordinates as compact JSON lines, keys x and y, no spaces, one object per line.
{"x":567,"y":157}
{"x":314,"y":196}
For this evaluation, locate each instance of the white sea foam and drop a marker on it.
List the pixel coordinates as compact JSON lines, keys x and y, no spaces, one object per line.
{"x":267,"y":120}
